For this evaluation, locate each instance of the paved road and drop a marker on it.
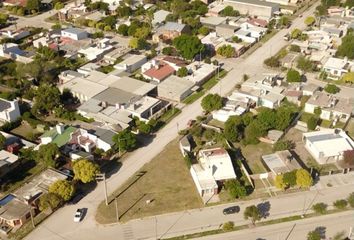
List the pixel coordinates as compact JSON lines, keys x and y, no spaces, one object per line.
{"x":293,"y":230}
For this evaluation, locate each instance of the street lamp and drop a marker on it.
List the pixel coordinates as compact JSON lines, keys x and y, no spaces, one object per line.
{"x":102,"y":177}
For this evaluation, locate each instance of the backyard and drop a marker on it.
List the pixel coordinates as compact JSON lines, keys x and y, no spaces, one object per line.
{"x":175,"y":192}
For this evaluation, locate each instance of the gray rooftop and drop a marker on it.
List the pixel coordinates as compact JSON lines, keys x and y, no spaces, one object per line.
{"x":105,"y":135}
{"x":323,"y":137}
{"x":114,"y":96}
{"x":255,"y":2}
{"x":173,"y":26}
{"x":4,"y":104}
{"x":74,"y":30}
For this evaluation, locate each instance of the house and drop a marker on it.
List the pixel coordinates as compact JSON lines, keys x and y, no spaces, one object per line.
{"x":16,"y":34}
{"x":254,"y":31}
{"x":131,"y":63}
{"x":12,"y":51}
{"x":212,"y":22}
{"x":328,"y":145}
{"x":175,"y":88}
{"x":309,"y":89}
{"x":232,"y":108}
{"x":21,"y":3}
{"x":13,"y":213}
{"x":213,"y":42}
{"x":215,"y":10}
{"x":157,"y":70}
{"x":9,"y":110}
{"x":96,"y":51}
{"x":113,"y":56}
{"x":262,"y":9}
{"x":170,"y":31}
{"x":75,"y":155}
{"x":245,"y":36}
{"x":213,"y":168}
{"x":74,"y":33}
{"x":258,"y":22}
{"x":160,"y":16}
{"x":280,"y":162}
{"x":226,"y":31}
{"x":8,"y":162}
{"x":59,"y":135}
{"x":336,"y":67}
{"x":200,"y":72}
{"x":332,"y":107}
{"x":88,"y":140}
{"x":185,"y":145}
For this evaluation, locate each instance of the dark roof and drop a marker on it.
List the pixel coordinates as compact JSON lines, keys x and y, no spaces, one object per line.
{"x":4,"y":105}
{"x":114,"y":96}
{"x":105,"y":135}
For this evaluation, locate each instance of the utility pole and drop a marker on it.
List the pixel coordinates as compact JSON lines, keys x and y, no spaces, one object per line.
{"x":102,"y":177}
{"x":32,"y":220}
{"x":116,"y":204}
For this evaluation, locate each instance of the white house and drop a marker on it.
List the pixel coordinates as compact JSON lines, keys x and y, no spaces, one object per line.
{"x":214,"y":167}
{"x":327,"y":146}
{"x":9,"y":110}
{"x":336,"y":67}
{"x":74,"y":33}
{"x":131,"y":63}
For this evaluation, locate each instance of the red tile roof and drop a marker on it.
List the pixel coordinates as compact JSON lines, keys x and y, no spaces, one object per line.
{"x":21,"y":3}
{"x":175,"y":60}
{"x":160,"y":73}
{"x":258,"y":22}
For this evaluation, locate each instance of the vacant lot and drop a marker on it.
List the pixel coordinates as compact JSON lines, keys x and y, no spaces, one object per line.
{"x":165,"y":180}
{"x":25,"y":131}
{"x":253,"y":154}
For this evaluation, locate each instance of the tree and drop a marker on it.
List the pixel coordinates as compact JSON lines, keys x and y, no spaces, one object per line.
{"x":33,"y":5}
{"x":283,"y":145}
{"x":47,"y":154}
{"x":320,"y":208}
{"x":295,"y":48}
{"x":340,"y":204}
{"x":203,"y":31}
{"x":226,"y":50}
{"x":188,"y":46}
{"x":229,"y":12}
{"x":253,"y":213}
{"x":351,"y":200}
{"x":168,"y":51}
{"x":49,"y":200}
{"x":312,"y":123}
{"x":123,"y":30}
{"x":284,"y":116}
{"x":47,"y":98}
{"x":309,"y":21}
{"x":284,"y":21}
{"x":182,"y":72}
{"x":228,"y":226}
{"x":142,"y":32}
{"x":3,"y":18}
{"x":58,"y":6}
{"x":123,"y":11}
{"x":346,"y":49}
{"x":314,"y":235}
{"x":290,"y":178}
{"x":332,"y":88}
{"x":137,"y":43}
{"x":349,"y":4}
{"x":125,"y":140}
{"x":2,"y":141}
{"x":85,"y":170}
{"x":296,"y":33}
{"x":267,"y":117}
{"x":235,"y":188}
{"x":304,"y":64}
{"x":279,"y":182}
{"x":233,"y":128}
{"x":211,"y":102}
{"x":293,"y":76}
{"x":317,"y":111}
{"x":272,"y":62}
{"x":63,"y":188}
{"x":253,"y":131}
{"x":303,"y":178}
{"x":145,"y":128}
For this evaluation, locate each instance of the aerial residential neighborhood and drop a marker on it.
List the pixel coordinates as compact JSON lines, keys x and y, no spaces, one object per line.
{"x":177,"y":119}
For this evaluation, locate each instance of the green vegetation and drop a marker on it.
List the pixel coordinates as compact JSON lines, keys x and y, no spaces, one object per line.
{"x":48,"y":154}
{"x":310,"y":20}
{"x":188,"y":46}
{"x":211,"y":102}
{"x":182,"y":72}
{"x":283,"y":145}
{"x":226,"y":51}
{"x":252,"y":213}
{"x":320,"y":208}
{"x":332,"y":88}
{"x":228,"y":226}
{"x":125,"y":141}
{"x":340,"y":204}
{"x":293,"y":76}
{"x":85,"y":170}
{"x":235,"y":189}
{"x":346,"y":49}
{"x":62,"y":188}
{"x":229,"y":12}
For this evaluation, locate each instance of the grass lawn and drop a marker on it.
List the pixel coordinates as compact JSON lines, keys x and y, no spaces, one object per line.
{"x":25,"y":131}
{"x":306,"y":116}
{"x":325,"y":123}
{"x":350,"y":128}
{"x":323,"y":168}
{"x":166,"y":181}
{"x":253,"y":154}
{"x":216,"y":123}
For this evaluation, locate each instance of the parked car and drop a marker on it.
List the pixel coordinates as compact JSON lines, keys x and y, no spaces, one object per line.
{"x":231,"y":210}
{"x":78,"y":215}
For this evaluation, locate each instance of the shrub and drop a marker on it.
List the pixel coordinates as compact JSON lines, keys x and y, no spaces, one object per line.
{"x":295,"y":48}
{"x":312,"y":123}
{"x":332,"y":88}
{"x":228,"y":226}
{"x":283,"y":145}
{"x":293,"y":76}
{"x":320,"y":208}
{"x":272,"y":62}
{"x":340,"y":204}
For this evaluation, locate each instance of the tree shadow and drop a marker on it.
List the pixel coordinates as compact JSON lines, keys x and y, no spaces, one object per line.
{"x":322,"y":231}
{"x":264,"y":209}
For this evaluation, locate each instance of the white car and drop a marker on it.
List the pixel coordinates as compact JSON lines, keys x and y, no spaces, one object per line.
{"x":78,"y":215}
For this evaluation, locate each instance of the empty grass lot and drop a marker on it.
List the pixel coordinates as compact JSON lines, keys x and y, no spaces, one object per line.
{"x":166,"y":181}
{"x":253,"y":154}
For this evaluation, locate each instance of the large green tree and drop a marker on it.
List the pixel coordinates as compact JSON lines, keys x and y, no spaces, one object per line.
{"x":252,"y":213}
{"x":346,"y":49}
{"x":226,"y":51}
{"x":49,"y":201}
{"x":235,"y":188}
{"x":290,"y":178}
{"x":304,"y":64}
{"x":33,"y":5}
{"x":211,"y":102}
{"x":293,"y":76}
{"x":47,"y":98}
{"x":125,"y":140}
{"x":303,"y":178}
{"x":85,"y":170}
{"x":233,"y":128}
{"x":2,"y":141}
{"x":63,"y":188}
{"x":188,"y":46}
{"x":48,"y":154}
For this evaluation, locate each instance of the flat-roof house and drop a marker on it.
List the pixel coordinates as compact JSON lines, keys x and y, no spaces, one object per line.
{"x":200,"y":72}
{"x":14,"y":213}
{"x":131,"y":63}
{"x":212,"y":22}
{"x":232,"y":108}
{"x":160,"y":16}
{"x":332,"y":107}
{"x":280,"y":162}
{"x":336,"y":67}
{"x":16,"y":34}
{"x":96,"y":51}
{"x":214,"y":167}
{"x":226,"y":31}
{"x":175,"y":88}
{"x":258,"y":8}
{"x":74,"y":33}
{"x":9,"y":110}
{"x":8,"y":162}
{"x":170,"y":31}
{"x":327,"y":146}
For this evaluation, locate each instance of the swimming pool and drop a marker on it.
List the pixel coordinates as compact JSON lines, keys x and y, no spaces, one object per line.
{"x":6,"y":199}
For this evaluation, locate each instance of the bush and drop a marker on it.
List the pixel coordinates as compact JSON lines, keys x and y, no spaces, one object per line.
{"x":272,"y":62}
{"x":295,"y":48}
{"x":340,"y":204}
{"x":320,"y":208}
{"x":312,"y":123}
{"x":228,"y":226}
{"x":332,"y":88}
{"x":283,"y":145}
{"x":235,"y":189}
{"x":293,"y":76}
{"x":351,"y":200}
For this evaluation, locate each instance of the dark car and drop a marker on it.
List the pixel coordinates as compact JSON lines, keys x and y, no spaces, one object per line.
{"x":231,"y":210}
